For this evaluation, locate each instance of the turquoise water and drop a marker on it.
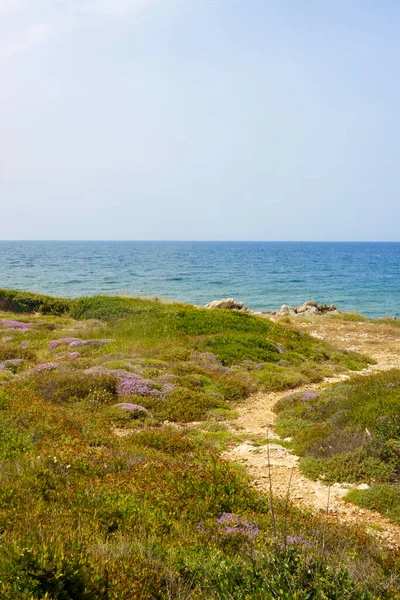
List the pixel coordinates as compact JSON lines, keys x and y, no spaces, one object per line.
{"x":363,"y":277}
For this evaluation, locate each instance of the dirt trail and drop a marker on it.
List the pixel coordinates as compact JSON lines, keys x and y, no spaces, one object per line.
{"x":256,"y":417}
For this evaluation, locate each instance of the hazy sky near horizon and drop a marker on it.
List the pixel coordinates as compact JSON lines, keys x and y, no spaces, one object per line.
{"x":200,"y":119}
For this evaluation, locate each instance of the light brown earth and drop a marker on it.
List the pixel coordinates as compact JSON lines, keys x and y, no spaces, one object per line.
{"x":256,"y":417}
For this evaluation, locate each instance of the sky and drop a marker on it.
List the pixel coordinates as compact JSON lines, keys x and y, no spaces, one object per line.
{"x":200,"y":120}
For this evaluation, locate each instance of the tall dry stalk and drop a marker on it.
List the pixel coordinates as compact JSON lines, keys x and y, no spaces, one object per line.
{"x":271,"y":499}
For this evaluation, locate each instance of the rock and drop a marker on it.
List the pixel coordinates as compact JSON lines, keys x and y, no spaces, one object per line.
{"x":229,"y":303}
{"x":286,"y":311}
{"x":363,"y":486}
{"x":306,"y":306}
{"x":308,"y":309}
{"x":313,"y":310}
{"x":280,"y":348}
{"x":387,"y":318}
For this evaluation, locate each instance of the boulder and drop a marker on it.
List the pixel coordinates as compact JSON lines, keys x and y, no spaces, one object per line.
{"x":286,"y":311}
{"x":363,"y":486}
{"x":229,"y":303}
{"x":308,"y":309}
{"x":323,"y":308}
{"x":306,"y":306}
{"x":311,"y":311}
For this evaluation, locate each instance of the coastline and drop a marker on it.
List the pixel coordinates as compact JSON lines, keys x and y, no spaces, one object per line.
{"x":362,"y":277}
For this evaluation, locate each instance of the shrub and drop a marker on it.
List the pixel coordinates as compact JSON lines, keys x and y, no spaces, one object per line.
{"x":349,"y":432}
{"x":8,"y":352}
{"x":110,"y":308}
{"x":233,"y":349}
{"x":25,"y":302}
{"x":187,"y":405}
{"x":276,"y":378}
{"x":351,"y":467}
{"x":168,"y":441}
{"x":383,"y":498}
{"x":66,"y":387}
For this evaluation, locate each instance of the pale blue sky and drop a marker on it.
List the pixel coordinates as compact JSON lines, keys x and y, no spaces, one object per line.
{"x":200,"y":119}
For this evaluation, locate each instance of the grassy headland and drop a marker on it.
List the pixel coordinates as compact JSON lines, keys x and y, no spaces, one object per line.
{"x":89,"y":514}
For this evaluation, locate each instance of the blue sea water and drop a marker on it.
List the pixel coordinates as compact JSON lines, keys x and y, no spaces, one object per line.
{"x":362,"y":277}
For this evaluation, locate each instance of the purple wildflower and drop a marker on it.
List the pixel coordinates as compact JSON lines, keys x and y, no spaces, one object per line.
{"x":136,"y":385}
{"x":132,"y":383}
{"x":298,"y":541}
{"x":17,"y":325}
{"x":168,"y":387}
{"x":55,"y":343}
{"x":230,"y":524}
{"x":8,"y":339}
{"x":46,"y":366}
{"x":13,"y":362}
{"x":74,"y":354}
{"x":78,"y":343}
{"x":24,"y":344}
{"x":73,"y":342}
{"x":301,"y":396}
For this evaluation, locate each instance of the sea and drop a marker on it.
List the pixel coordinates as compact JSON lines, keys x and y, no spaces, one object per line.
{"x":355,"y":276}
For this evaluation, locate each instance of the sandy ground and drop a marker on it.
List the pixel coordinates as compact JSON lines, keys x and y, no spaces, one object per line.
{"x":256,"y":417}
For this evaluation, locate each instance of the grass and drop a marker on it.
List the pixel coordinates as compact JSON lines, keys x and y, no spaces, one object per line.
{"x":350,"y":433}
{"x":156,"y":514}
{"x":384,"y":498}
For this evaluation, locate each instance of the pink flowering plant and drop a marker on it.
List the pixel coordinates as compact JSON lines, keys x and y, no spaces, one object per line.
{"x":230,"y":531}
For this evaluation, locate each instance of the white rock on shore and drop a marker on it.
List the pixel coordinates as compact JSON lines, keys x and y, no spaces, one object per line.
{"x":308,"y":309}
{"x":229,"y":303}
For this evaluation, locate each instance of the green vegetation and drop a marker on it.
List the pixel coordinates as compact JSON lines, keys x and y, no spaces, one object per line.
{"x":384,"y":498}
{"x":104,"y":497}
{"x":350,"y":433}
{"x":25,"y":302}
{"x":350,"y":317}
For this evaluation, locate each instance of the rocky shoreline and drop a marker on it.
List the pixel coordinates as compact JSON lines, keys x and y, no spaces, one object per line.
{"x":307,"y":309}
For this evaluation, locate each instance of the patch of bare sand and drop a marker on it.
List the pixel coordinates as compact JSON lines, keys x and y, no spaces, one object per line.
{"x":256,"y":417}
{"x":380,"y":341}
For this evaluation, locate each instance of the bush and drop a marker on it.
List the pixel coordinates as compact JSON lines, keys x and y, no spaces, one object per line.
{"x":187,"y":405}
{"x":168,"y":441}
{"x":66,"y":387}
{"x":383,"y":498}
{"x":25,"y":302}
{"x":108,"y":308}
{"x":8,"y":352}
{"x":349,"y":432}
{"x":351,"y":467}
{"x":233,"y":349}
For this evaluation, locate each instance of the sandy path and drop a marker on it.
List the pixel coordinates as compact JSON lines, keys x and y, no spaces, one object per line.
{"x":256,"y":417}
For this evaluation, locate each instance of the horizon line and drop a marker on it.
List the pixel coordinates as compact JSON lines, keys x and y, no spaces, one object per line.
{"x":211,"y":241}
